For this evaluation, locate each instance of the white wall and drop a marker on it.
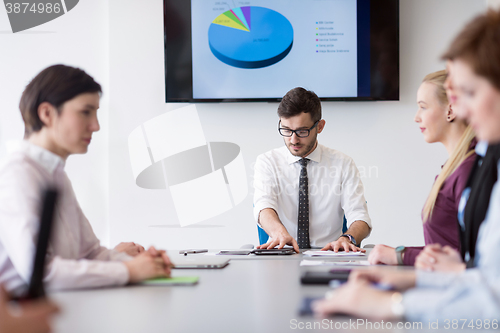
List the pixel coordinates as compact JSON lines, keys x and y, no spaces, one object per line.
{"x":375,"y":134}
{"x":129,"y":64}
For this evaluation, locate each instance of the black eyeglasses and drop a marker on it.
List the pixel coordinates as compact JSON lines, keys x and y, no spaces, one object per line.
{"x":301,"y":133}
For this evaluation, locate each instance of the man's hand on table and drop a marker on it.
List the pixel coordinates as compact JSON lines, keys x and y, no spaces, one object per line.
{"x":280,"y":239}
{"x":343,"y":243}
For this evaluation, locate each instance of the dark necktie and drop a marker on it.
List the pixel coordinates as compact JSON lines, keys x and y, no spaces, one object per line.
{"x":481,"y":181}
{"x":303,"y":220}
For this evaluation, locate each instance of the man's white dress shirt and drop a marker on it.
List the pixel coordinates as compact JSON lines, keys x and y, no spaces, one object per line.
{"x":75,"y":258}
{"x":335,"y":189}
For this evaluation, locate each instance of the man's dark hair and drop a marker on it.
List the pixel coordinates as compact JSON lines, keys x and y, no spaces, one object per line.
{"x":300,"y":100}
{"x":56,"y":85}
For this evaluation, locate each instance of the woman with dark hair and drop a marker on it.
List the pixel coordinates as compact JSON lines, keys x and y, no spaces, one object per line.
{"x":474,"y":293}
{"x":59,"y":108}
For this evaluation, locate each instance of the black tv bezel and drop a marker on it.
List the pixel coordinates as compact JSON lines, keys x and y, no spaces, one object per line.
{"x":374,"y":6}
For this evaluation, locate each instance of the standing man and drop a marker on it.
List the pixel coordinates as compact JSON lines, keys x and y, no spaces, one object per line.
{"x":303,"y":190}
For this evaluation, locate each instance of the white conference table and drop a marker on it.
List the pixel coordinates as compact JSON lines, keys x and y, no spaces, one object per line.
{"x":252,"y":294}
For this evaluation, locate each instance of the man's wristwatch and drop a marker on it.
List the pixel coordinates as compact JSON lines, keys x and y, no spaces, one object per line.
{"x":351,"y":239}
{"x":399,"y":254}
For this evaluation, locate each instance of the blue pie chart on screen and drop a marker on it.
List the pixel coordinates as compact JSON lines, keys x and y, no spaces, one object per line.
{"x":250,"y":37}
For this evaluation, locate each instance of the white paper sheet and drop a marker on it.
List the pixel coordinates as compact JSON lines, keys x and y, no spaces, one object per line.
{"x":333,"y":254}
{"x":334,"y":263}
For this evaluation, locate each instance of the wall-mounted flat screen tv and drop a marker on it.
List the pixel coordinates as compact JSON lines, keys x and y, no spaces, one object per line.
{"x":257,"y":50}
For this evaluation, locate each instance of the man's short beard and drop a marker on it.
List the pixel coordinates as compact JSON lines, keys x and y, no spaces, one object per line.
{"x":308,"y":148}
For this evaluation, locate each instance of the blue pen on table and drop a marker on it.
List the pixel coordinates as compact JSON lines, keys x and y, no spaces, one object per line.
{"x":380,"y":286}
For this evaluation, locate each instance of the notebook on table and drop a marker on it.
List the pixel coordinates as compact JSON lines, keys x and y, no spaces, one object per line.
{"x":172,"y":281}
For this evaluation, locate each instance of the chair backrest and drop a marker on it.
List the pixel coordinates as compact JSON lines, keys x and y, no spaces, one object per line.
{"x":264,"y":237}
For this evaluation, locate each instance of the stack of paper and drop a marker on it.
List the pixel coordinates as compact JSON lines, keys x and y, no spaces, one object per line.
{"x":333,"y":254}
{"x":334,"y":263}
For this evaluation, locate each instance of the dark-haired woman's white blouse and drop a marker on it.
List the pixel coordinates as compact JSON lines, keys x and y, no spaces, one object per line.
{"x":76,"y":258}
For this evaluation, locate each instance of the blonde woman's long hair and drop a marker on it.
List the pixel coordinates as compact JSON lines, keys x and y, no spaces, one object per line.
{"x":458,"y":155}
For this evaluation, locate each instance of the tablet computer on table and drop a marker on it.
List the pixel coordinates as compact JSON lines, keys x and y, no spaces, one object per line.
{"x":315,"y":277}
{"x":284,"y":251}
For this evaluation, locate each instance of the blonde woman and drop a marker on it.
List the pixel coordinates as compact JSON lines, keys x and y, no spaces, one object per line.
{"x":438,"y":123}
{"x":447,"y":298}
